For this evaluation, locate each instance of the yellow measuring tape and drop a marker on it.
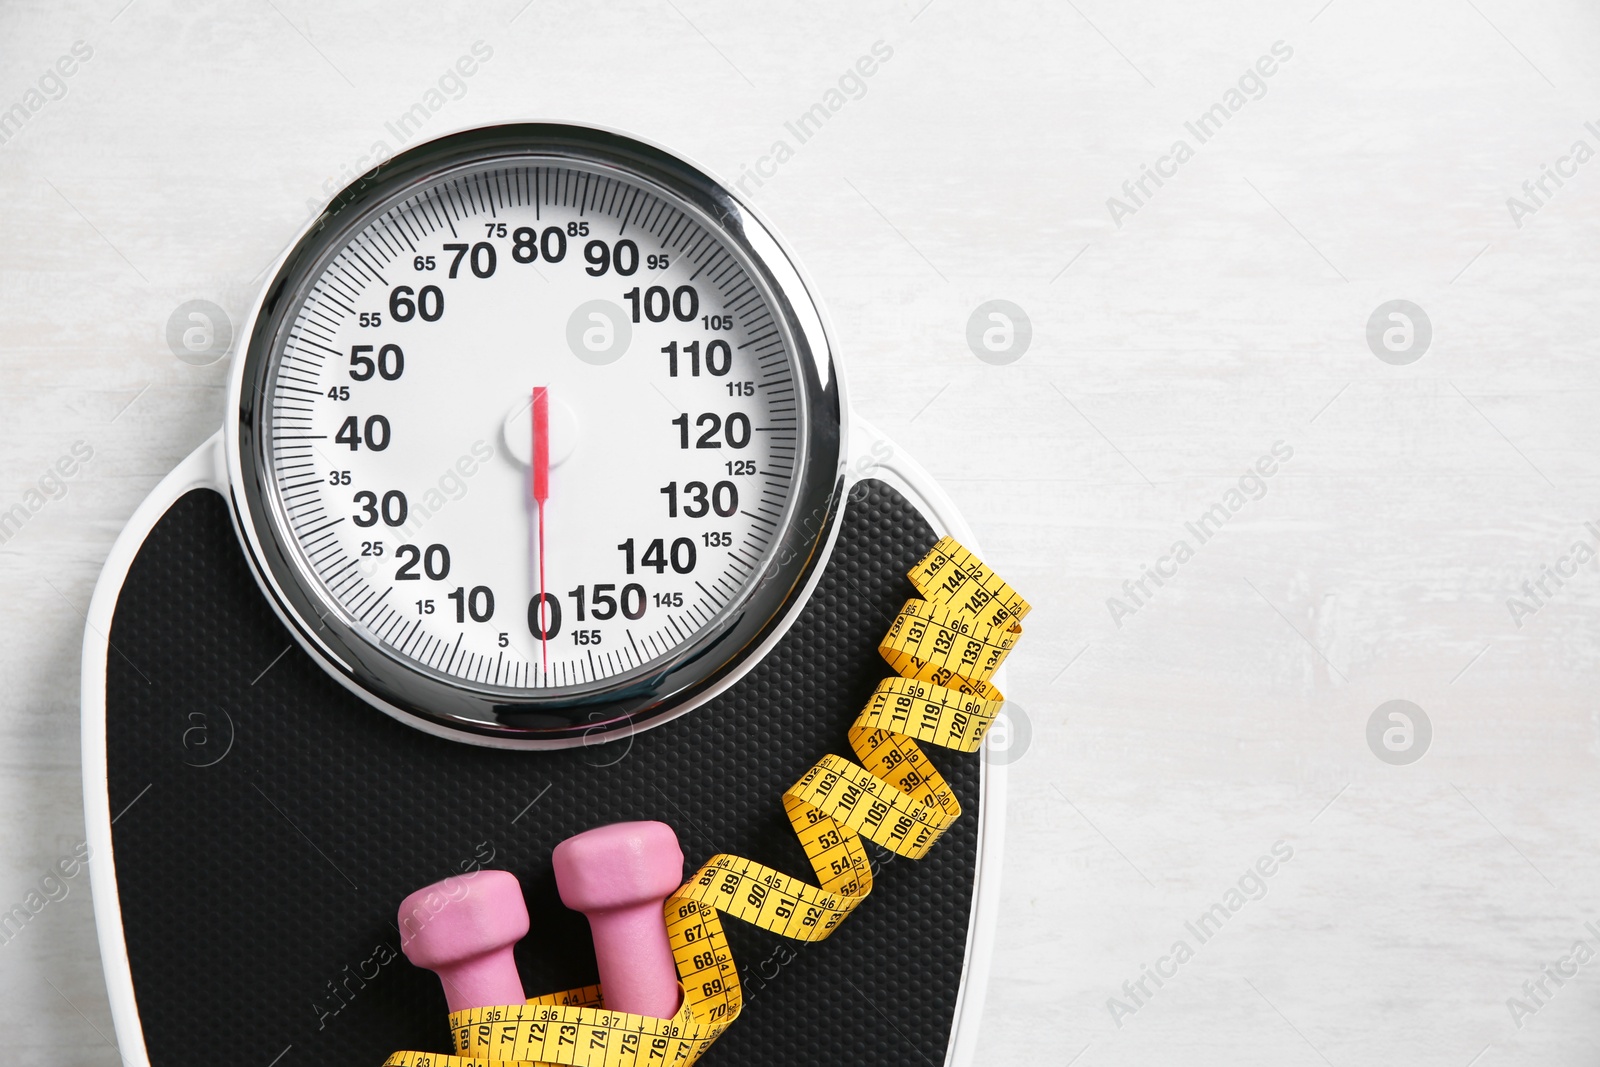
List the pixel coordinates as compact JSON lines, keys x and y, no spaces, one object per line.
{"x":945,"y":648}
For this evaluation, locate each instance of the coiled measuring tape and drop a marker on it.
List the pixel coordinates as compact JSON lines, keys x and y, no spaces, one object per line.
{"x":945,"y":648}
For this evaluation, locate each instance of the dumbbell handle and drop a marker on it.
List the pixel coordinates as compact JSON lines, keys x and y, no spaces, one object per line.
{"x":479,"y":983}
{"x":637,"y":972}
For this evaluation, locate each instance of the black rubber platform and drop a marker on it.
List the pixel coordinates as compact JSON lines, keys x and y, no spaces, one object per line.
{"x":259,"y":887}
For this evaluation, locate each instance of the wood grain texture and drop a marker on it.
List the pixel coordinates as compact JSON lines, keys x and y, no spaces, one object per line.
{"x":1227,"y":313}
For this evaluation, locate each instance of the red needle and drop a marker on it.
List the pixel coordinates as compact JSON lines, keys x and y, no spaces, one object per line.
{"x":541,"y":494}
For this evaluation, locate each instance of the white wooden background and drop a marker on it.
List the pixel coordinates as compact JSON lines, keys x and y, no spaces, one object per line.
{"x":1227,"y":314}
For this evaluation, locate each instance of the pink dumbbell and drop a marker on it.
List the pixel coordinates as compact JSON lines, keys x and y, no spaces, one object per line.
{"x":620,"y":876}
{"x":463,"y":929}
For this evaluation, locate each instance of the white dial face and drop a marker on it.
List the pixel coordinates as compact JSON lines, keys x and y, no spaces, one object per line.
{"x":413,"y":467}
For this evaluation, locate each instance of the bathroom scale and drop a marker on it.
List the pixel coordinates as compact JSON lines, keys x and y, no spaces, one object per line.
{"x":538,"y":504}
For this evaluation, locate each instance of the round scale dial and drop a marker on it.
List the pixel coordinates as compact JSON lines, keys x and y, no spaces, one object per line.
{"x":535,"y":436}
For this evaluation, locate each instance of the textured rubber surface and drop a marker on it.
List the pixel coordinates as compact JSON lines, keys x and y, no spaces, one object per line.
{"x":274,"y":822}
